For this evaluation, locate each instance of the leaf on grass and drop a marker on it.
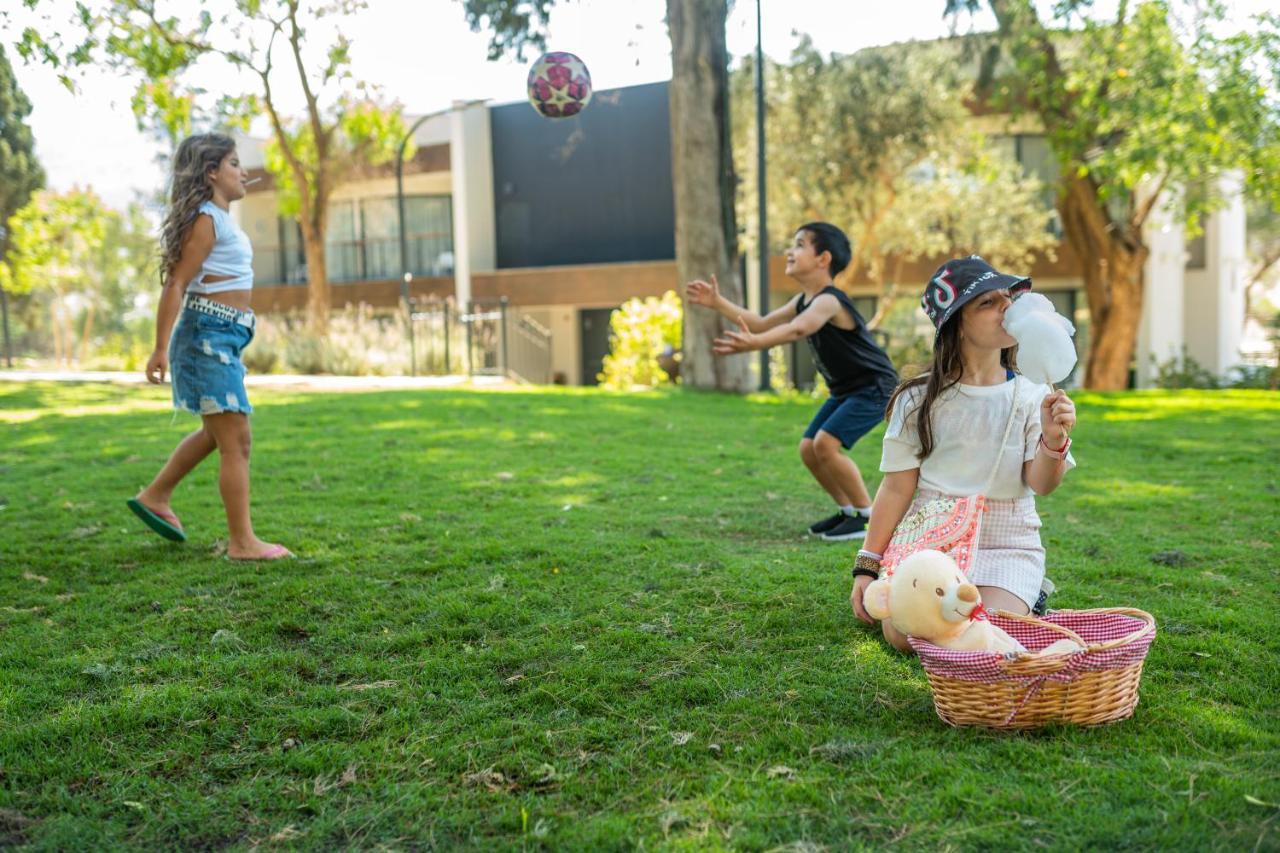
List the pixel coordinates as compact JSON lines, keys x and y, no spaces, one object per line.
{"x":31,"y":576}
{"x":671,"y":819}
{"x":410,"y":516}
{"x":505,"y":476}
{"x":1254,"y":801}
{"x":97,"y":671}
{"x":780,"y":770}
{"x":681,"y":738}
{"x":287,"y":834}
{"x":372,"y":685}
{"x":135,"y":805}
{"x":86,"y":532}
{"x":519,"y":676}
{"x":488,"y":778}
{"x":223,"y":637}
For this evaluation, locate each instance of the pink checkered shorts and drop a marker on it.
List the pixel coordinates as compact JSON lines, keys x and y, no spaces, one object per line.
{"x":1009,"y":554}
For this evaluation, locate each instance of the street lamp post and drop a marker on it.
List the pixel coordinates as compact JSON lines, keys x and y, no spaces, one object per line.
{"x":762,"y":248}
{"x":405,"y":275}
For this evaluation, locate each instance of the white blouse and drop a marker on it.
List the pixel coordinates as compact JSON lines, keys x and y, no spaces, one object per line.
{"x":968,"y":421}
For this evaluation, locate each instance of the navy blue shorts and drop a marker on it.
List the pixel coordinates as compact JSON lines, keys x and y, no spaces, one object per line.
{"x":850,"y":417}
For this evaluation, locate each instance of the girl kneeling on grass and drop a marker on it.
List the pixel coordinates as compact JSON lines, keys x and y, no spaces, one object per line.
{"x":943,"y":438}
{"x":207,"y":268}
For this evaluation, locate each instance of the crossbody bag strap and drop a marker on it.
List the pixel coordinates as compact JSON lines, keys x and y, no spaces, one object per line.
{"x":1004,"y":439}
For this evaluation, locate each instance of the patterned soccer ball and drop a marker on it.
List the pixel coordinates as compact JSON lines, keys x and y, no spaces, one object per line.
{"x":559,"y":85}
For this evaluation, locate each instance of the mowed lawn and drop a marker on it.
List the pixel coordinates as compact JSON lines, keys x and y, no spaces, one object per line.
{"x":579,"y":620}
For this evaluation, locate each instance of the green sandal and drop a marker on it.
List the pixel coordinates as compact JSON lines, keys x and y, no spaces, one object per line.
{"x":164,"y":523}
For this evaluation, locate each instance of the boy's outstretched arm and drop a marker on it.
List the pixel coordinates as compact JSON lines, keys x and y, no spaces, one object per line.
{"x":707,"y":294}
{"x":802,"y":326}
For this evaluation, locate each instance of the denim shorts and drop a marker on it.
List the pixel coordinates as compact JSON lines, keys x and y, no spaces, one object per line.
{"x":850,"y":417}
{"x":204,"y":363}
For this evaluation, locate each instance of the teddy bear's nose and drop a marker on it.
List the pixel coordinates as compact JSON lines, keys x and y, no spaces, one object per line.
{"x":967,"y":592}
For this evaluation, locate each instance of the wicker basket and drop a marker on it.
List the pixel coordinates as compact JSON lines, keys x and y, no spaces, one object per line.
{"x":1098,"y":685}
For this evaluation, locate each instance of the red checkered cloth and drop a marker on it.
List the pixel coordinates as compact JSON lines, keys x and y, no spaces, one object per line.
{"x":1093,"y":628}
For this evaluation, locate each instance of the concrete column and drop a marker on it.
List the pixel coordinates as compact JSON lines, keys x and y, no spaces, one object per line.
{"x":471,"y":165}
{"x":1160,"y":332}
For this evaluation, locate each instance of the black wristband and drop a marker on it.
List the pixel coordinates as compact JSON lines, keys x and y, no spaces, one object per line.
{"x":861,"y":572}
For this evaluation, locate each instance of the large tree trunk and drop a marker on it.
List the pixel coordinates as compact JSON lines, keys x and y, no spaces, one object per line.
{"x":1112,"y":262}
{"x":702,"y":171}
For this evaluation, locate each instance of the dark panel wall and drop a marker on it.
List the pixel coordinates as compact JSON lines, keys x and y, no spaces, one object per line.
{"x":595,"y":188}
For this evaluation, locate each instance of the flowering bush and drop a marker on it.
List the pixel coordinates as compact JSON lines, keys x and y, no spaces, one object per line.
{"x":644,"y":334}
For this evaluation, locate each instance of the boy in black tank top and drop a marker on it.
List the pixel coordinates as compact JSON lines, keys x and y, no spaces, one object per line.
{"x":858,"y":372}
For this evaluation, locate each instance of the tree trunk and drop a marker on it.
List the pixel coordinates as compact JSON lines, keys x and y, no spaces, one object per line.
{"x":318,"y":296}
{"x":702,"y":171}
{"x":86,"y":333}
{"x":1112,"y":263}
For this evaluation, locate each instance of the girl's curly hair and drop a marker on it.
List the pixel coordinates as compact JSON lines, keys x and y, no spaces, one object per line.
{"x":197,"y":156}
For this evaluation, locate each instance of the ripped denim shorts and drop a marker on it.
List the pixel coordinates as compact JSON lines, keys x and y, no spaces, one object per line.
{"x":204,"y":358}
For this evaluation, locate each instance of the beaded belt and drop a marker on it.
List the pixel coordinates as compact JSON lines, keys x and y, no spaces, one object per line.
{"x":217,"y":309}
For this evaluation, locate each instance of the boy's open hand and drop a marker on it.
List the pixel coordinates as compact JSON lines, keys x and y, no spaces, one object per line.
{"x":700,"y":292}
{"x":731,"y":341}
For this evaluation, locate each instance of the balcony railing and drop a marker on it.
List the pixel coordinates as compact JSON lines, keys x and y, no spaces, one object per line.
{"x":357,"y":260}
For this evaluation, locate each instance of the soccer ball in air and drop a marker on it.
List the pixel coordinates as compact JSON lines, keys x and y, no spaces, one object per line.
{"x":559,"y":85}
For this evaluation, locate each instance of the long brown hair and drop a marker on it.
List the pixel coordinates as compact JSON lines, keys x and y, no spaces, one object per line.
{"x":944,"y":372}
{"x":197,"y":156}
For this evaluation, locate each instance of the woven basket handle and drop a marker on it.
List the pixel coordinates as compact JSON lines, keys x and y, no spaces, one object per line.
{"x":1030,"y":663}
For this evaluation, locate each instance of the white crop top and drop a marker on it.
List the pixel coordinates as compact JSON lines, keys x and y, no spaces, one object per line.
{"x":232,"y":255}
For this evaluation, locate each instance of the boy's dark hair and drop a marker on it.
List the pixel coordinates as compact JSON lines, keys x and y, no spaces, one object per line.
{"x":828,"y":238}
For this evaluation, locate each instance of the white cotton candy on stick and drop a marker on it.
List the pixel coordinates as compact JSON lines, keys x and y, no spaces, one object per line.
{"x":1046,"y":353}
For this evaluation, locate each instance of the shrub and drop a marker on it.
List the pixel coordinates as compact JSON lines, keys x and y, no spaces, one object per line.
{"x":640,"y":333}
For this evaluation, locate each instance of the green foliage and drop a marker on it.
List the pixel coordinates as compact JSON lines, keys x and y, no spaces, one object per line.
{"x":882,"y":144}
{"x":358,"y":342}
{"x":570,"y":619}
{"x":364,"y":134}
{"x":640,"y":332}
{"x":167,"y":45}
{"x":76,"y":263}
{"x":1152,"y":97}
{"x":20,"y":172}
{"x":513,"y":25}
{"x":1183,"y":371}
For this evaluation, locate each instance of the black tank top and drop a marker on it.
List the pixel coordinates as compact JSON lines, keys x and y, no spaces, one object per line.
{"x":849,"y":359}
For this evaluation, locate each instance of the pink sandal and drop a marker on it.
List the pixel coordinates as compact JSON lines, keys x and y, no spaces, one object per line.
{"x":275,"y":552}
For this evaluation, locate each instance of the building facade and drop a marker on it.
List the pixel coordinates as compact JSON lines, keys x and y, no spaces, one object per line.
{"x":566,"y":219}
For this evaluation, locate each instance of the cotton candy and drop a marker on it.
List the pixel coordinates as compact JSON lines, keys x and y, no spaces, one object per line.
{"x":1046,"y":353}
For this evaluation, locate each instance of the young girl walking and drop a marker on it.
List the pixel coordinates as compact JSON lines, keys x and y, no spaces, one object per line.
{"x":943,"y":439}
{"x":206,"y":266}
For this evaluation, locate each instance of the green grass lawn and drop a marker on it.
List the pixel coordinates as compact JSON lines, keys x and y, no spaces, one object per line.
{"x":572,"y":619}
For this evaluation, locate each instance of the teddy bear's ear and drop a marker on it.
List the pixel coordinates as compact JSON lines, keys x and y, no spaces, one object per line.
{"x":876,"y":599}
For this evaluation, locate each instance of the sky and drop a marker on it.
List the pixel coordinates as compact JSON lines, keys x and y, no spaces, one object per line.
{"x":422,"y":53}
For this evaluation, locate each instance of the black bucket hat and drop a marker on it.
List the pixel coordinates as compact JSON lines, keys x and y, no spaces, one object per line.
{"x":961,"y":279}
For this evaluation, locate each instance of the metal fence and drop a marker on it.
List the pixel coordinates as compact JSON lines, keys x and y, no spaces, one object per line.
{"x":486,"y":339}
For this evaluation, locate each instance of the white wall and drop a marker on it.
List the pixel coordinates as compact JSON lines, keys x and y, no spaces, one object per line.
{"x":1215,"y":295}
{"x":1161,"y":329}
{"x":471,"y":161}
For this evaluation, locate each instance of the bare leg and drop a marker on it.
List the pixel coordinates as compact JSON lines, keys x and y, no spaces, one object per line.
{"x":231,"y":432}
{"x":810,"y":457}
{"x":896,"y":638}
{"x":189,"y":453}
{"x":995,"y":598}
{"x":840,"y":470}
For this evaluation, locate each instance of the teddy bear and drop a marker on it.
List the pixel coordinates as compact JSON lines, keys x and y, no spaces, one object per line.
{"x":928,"y":597}
{"x":1045,"y":351}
